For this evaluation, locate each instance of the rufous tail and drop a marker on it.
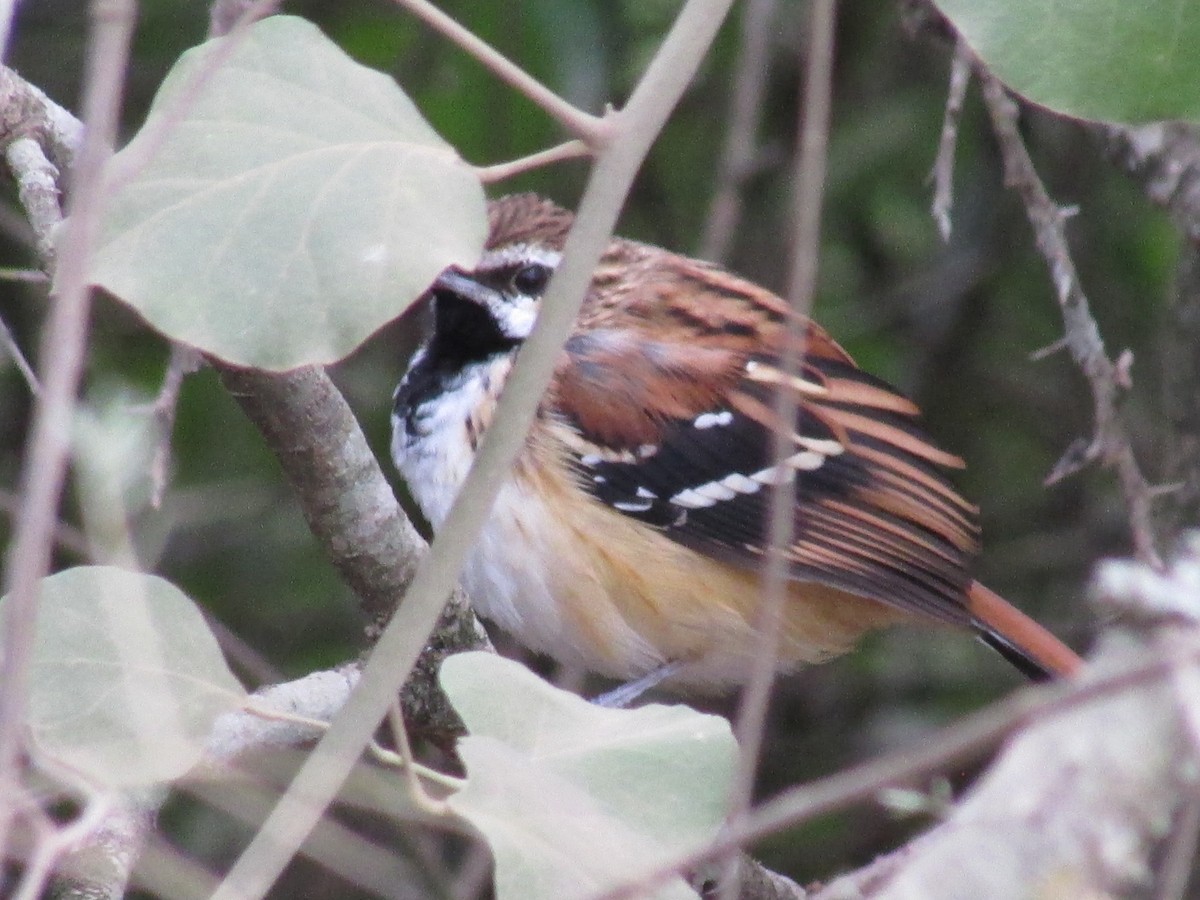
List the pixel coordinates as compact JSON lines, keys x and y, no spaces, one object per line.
{"x":1018,"y":638}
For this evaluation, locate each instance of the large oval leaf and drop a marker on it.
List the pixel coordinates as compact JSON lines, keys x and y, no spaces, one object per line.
{"x":126,"y":679}
{"x":1111,"y":60}
{"x":574,"y":798}
{"x":282,"y":202}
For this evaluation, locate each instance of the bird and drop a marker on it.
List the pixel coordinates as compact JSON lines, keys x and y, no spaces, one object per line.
{"x":629,"y":537}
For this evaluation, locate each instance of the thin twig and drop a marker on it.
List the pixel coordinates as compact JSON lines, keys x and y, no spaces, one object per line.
{"x":593,"y":130}
{"x":813,"y":140}
{"x":1163,"y":158}
{"x":1110,"y":441}
{"x":745,"y":112}
{"x":60,"y":840}
{"x":66,"y":537}
{"x":1049,"y":350}
{"x":500,"y":171}
{"x":943,"y":166}
{"x":61,"y":358}
{"x":13,"y":349}
{"x":29,"y":276}
{"x":184,"y":360}
{"x":416,"y":790}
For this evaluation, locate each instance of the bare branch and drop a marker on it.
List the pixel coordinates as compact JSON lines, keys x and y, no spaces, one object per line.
{"x":812,"y":141}
{"x":745,"y":112}
{"x":943,"y":166}
{"x":594,"y":131}
{"x":43,"y":468}
{"x":501,"y":171}
{"x":1164,"y":159}
{"x":28,"y":112}
{"x":1110,"y":441}
{"x":183,"y":361}
{"x":37,"y":186}
{"x":100,"y":863}
{"x":10,"y":346}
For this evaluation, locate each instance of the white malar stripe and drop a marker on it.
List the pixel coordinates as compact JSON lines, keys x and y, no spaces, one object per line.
{"x":741,"y":483}
{"x":633,"y":506}
{"x":712,"y":420}
{"x":806,"y":461}
{"x":689,"y":499}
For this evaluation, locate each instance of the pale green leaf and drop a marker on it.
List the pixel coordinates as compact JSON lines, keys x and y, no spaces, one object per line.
{"x":575,"y":798}
{"x":1094,"y":59}
{"x":282,"y":202}
{"x":126,"y":679}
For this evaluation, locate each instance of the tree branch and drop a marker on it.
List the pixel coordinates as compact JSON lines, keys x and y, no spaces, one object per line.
{"x":738,"y":153}
{"x":1164,"y":159}
{"x":1110,"y":441}
{"x":43,"y":468}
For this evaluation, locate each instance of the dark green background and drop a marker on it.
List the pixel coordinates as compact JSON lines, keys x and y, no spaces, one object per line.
{"x":951,"y":324}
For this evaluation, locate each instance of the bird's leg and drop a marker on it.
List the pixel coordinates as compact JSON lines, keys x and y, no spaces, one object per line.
{"x":620,"y":697}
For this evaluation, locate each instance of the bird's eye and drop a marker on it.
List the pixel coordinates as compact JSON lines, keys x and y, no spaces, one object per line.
{"x":531,"y":279}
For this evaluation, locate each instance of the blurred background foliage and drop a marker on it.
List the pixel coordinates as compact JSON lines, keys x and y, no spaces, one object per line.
{"x":953,"y":324}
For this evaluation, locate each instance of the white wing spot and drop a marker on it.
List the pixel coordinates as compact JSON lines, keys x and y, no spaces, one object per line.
{"x":774,"y":475}
{"x":715,"y":490}
{"x":712,"y":420}
{"x":689,"y":499}
{"x":646,"y":494}
{"x":770,"y":375}
{"x":741,"y":483}
{"x":634,"y":506}
{"x":806,"y":461}
{"x":817,"y":445}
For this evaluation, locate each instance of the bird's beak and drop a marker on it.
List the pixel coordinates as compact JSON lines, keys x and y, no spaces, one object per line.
{"x":454,"y":281}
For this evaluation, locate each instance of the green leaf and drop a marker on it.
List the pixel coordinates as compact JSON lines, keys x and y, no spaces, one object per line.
{"x":574,"y":798}
{"x":282,"y":202}
{"x":1094,"y":59}
{"x":126,"y":678}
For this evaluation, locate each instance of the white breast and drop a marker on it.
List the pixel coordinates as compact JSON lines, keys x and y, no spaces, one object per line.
{"x":518,"y":563}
